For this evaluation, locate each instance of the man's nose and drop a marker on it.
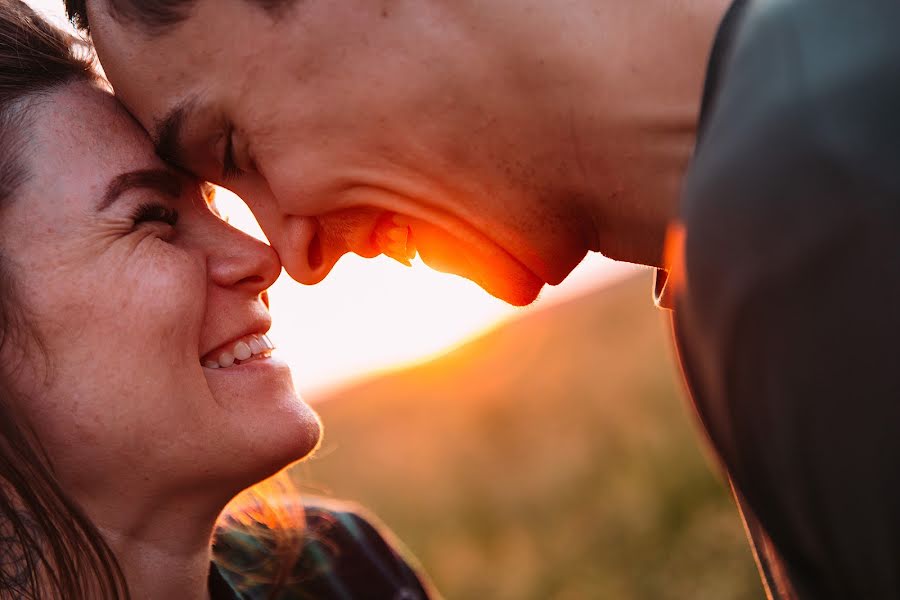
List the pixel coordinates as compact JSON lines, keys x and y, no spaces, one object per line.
{"x":309,"y":247}
{"x":300,"y":250}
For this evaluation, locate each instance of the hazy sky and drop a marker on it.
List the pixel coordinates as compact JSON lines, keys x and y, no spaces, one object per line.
{"x":376,"y":314}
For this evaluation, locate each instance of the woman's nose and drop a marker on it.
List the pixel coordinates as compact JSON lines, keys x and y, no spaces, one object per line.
{"x":241,"y":261}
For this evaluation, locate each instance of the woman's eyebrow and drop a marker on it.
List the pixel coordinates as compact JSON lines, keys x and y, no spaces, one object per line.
{"x":164,"y":181}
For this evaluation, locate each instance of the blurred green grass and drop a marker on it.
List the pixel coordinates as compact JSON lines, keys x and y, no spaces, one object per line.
{"x":552,"y":458}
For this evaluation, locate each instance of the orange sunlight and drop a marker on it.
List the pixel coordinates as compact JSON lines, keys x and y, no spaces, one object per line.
{"x":373,"y":315}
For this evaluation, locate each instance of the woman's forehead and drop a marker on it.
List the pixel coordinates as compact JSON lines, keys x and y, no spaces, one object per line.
{"x":99,"y":122}
{"x":82,"y":138}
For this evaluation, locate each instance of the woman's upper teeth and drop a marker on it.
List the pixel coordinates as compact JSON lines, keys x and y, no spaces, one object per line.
{"x":243,"y":349}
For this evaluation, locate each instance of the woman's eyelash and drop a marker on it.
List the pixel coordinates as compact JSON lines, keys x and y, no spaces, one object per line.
{"x":155,"y":212}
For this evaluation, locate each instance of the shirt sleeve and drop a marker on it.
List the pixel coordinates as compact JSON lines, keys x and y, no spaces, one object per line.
{"x":788,"y":320}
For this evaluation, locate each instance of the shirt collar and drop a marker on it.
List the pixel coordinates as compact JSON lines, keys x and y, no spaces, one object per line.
{"x":219,"y":589}
{"x":662,"y":292}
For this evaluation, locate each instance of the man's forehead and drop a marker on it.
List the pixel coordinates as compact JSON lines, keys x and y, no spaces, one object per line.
{"x":149,"y":73}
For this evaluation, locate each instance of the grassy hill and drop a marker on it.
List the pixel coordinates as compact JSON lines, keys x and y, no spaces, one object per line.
{"x":553,"y":458}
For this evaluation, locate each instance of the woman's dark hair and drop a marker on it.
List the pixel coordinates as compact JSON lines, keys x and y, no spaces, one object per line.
{"x":48,"y":546}
{"x":154,"y":16}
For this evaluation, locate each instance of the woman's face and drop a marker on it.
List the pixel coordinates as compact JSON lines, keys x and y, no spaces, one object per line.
{"x":133,"y":309}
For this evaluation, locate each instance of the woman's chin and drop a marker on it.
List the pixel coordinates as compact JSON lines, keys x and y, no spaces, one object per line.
{"x":302,"y":439}
{"x":263,"y":410}
{"x":257,"y":455}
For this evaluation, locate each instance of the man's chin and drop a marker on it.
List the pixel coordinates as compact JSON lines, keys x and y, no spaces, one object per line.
{"x":479,"y":260}
{"x":515,"y":284}
{"x":516,"y":293}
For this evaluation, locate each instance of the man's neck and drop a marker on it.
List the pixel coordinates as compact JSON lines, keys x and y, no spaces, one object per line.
{"x":620,"y":109}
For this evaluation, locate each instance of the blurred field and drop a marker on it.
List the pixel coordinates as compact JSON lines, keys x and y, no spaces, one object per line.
{"x":553,"y":458}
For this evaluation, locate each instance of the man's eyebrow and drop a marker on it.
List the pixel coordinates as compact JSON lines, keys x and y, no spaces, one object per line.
{"x":164,"y":181}
{"x":167,"y":132}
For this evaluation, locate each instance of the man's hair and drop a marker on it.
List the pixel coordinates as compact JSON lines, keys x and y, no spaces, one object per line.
{"x":154,"y":16}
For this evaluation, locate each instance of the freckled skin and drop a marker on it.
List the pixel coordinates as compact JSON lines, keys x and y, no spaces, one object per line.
{"x":147,"y":441}
{"x":517,"y":136}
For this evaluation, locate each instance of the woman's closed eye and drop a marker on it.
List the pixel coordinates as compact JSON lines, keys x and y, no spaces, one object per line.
{"x":155,"y":213}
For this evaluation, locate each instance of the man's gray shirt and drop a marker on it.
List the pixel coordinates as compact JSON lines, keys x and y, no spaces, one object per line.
{"x":789,"y":312}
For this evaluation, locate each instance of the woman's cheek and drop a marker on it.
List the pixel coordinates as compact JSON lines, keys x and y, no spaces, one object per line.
{"x":169,"y":283}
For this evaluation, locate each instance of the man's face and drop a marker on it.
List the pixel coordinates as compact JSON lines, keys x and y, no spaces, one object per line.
{"x":353,"y":126}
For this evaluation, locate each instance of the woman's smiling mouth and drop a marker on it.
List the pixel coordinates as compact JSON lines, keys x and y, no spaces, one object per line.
{"x":246,"y":349}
